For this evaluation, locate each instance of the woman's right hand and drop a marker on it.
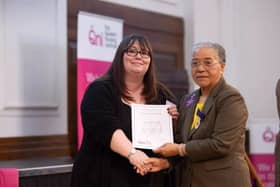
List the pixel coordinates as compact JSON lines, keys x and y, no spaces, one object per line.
{"x":138,"y":161}
{"x":157,"y":164}
{"x":168,"y":149}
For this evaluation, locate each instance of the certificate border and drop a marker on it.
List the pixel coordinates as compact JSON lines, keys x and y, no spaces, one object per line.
{"x":134,"y":108}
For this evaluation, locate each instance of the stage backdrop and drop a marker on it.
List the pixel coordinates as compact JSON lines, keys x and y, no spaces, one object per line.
{"x":98,"y":39}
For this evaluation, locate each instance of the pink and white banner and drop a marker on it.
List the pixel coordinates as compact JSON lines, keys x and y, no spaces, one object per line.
{"x":262,"y":142}
{"x":98,"y":39}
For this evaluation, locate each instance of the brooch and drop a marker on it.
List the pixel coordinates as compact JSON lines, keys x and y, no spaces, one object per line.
{"x":190,"y":100}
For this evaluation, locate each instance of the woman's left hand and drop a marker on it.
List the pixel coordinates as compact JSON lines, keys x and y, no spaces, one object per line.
{"x":172,"y":110}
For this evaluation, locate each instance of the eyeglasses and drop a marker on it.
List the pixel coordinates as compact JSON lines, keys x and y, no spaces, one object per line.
{"x":207,"y":63}
{"x":133,"y":53}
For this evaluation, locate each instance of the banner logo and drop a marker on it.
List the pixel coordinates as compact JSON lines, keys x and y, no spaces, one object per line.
{"x":97,"y":39}
{"x":268,"y":135}
{"x":94,"y":38}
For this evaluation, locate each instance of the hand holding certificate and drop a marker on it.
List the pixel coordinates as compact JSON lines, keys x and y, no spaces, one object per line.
{"x":151,"y":126}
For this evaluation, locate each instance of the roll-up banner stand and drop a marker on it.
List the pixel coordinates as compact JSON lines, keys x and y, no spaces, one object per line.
{"x":262,"y":141}
{"x":98,"y":39}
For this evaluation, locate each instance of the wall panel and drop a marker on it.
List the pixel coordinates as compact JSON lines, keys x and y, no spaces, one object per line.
{"x":33,"y":67}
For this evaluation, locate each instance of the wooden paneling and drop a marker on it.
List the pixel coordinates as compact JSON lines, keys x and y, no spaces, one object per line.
{"x":175,"y":79}
{"x":72,"y":95}
{"x":57,"y":180}
{"x":164,"y":32}
{"x":34,"y":147}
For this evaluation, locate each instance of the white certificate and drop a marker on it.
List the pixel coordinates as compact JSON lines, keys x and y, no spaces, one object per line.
{"x":151,"y":126}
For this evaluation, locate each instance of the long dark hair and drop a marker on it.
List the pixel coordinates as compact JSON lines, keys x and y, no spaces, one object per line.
{"x":116,"y":71}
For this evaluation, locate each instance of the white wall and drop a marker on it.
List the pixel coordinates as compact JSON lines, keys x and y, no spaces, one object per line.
{"x":33,"y":56}
{"x":249,"y":31}
{"x":33,"y":67}
{"x":259,"y":55}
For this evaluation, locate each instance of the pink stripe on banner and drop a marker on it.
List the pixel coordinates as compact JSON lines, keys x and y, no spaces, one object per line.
{"x":264,"y":164}
{"x":8,"y":177}
{"x":88,"y":71}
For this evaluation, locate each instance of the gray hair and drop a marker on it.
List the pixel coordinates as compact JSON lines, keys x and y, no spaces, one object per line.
{"x":217,"y":47}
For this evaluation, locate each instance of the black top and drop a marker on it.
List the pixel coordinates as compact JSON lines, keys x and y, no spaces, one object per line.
{"x":96,"y":164}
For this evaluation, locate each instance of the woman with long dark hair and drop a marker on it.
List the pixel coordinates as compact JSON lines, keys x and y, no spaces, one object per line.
{"x":106,"y":157}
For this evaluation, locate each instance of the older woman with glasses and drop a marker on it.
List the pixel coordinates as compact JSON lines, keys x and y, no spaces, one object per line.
{"x":211,"y":134}
{"x":106,"y":157}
